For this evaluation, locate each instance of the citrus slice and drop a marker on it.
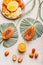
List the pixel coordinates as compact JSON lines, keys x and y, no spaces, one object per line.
{"x":7,"y":13}
{"x":22,"y":47}
{"x":12,"y":6}
{"x":6,"y":1}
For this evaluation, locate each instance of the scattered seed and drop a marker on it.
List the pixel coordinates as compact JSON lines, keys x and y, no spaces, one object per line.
{"x":20,"y":59}
{"x":14,"y":57}
{"x":6,"y":53}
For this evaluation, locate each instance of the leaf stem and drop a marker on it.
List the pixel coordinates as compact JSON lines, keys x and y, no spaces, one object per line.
{"x":27,"y":11}
{"x":40,"y":10}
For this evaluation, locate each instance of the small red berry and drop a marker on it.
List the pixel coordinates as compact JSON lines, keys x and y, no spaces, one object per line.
{"x":36,"y":55}
{"x":31,"y":55}
{"x":33,"y":50}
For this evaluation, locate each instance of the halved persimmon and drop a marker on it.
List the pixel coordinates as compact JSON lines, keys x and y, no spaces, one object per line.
{"x":8,"y":33}
{"x":29,"y":33}
{"x":4,"y":7}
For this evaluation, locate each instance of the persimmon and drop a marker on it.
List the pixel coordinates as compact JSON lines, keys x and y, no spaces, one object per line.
{"x":6,"y":1}
{"x":29,"y":33}
{"x":8,"y":33}
{"x":22,"y":47}
{"x":4,"y":8}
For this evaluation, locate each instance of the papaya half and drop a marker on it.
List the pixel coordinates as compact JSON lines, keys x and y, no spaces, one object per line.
{"x":29,"y":33}
{"x":8,"y":33}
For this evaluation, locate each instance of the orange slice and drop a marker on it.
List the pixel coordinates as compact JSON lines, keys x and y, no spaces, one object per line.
{"x":7,"y":13}
{"x":12,"y":6}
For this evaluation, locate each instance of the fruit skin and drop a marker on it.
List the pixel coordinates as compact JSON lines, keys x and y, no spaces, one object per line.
{"x":6,"y":53}
{"x":6,"y":1}
{"x":4,"y":8}
{"x":12,"y":6}
{"x":14,"y":57}
{"x":8,"y":33}
{"x":29,"y":33}
{"x":33,"y":50}
{"x":22,"y":47}
{"x":31,"y":55}
{"x":21,"y":5}
{"x":20,"y":59}
{"x":36,"y":55}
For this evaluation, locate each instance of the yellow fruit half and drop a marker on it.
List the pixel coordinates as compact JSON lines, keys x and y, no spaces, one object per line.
{"x":22,"y":47}
{"x":6,"y":1}
{"x":12,"y":6}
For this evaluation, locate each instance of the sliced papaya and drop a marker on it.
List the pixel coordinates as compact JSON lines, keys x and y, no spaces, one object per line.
{"x":4,"y":7}
{"x":8,"y":33}
{"x":12,"y":6}
{"x":6,"y":1}
{"x":22,"y":47}
{"x":29,"y":33}
{"x":21,"y":5}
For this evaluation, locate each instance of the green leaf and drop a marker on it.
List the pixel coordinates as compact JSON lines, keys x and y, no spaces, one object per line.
{"x":29,"y":22}
{"x":1,"y":39}
{"x":13,"y":39}
{"x":0,"y":35}
{"x":6,"y":25}
{"x":10,"y":42}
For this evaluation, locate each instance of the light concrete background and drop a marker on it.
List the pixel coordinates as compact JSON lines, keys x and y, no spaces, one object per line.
{"x":38,"y":43}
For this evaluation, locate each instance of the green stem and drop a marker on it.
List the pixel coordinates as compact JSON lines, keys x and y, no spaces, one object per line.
{"x":37,"y":12}
{"x":40,"y":10}
{"x":28,"y":3}
{"x":27,"y":11}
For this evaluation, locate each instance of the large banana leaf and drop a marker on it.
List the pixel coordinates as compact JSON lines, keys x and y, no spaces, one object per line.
{"x":13,"y":39}
{"x":29,"y":22}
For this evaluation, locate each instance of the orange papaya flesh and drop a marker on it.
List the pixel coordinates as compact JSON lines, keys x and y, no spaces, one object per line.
{"x":6,"y":1}
{"x":21,"y":3}
{"x":4,"y":7}
{"x":29,"y":33}
{"x":8,"y":33}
